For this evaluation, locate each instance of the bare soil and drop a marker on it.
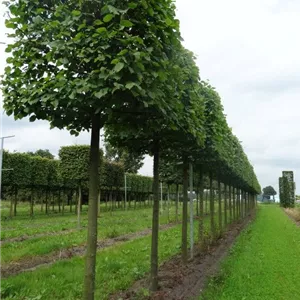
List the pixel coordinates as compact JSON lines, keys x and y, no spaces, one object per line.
{"x":178,"y":281}
{"x":34,"y":262}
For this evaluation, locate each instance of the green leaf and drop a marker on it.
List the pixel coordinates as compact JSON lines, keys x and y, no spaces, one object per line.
{"x":126,"y":23}
{"x":130,"y":85}
{"x":168,"y":22}
{"x":76,"y":13}
{"x":132,"y":5}
{"x":101,"y":93}
{"x":115,"y":61}
{"x":32,"y":118}
{"x":108,"y":18}
{"x":118,"y":67}
{"x":101,"y":29}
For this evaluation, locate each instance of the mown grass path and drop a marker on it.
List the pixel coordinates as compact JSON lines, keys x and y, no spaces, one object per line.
{"x":264,"y":263}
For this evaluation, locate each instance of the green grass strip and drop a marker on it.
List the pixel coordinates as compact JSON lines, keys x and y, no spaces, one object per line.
{"x":264,"y":263}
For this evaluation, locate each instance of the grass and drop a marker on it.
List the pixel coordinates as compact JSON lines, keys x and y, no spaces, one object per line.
{"x":117,"y":268}
{"x":109,"y":226}
{"x":294,"y":213}
{"x":264,"y":263}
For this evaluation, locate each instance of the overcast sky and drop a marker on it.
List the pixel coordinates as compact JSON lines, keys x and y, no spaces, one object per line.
{"x":250,"y":51}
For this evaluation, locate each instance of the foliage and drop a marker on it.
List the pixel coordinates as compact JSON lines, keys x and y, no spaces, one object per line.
{"x":269,"y":191}
{"x":113,"y":176}
{"x":42,"y":153}
{"x":19,"y":169}
{"x":94,"y":56}
{"x":132,"y":162}
{"x":287,"y":189}
{"x":75,"y":162}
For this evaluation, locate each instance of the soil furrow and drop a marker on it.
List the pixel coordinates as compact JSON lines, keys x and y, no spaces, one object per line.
{"x":178,"y":281}
{"x":34,"y":236}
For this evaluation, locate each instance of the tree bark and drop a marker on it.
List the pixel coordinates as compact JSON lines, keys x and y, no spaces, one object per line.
{"x":46,"y":202}
{"x":31,"y":203}
{"x":233,"y":203}
{"x":16,"y":202}
{"x":155,"y":220}
{"x":225,"y":205}
{"x":59,"y":199}
{"x":168,"y":203}
{"x":220,"y":206}
{"x":79,"y":206}
{"x":63,"y":202}
{"x":177,"y":200}
{"x":212,"y":208}
{"x":206,"y":203}
{"x":184,"y":246}
{"x":11,"y":207}
{"x":230,"y":204}
{"x":201,"y":219}
{"x":91,"y":248}
{"x":99,"y":202}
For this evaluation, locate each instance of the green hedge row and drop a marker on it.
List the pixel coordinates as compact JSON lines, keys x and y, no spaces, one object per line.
{"x":70,"y":171}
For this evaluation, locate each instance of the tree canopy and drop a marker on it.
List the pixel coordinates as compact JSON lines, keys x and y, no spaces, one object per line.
{"x":132,"y":161}
{"x":42,"y":153}
{"x":269,"y":191}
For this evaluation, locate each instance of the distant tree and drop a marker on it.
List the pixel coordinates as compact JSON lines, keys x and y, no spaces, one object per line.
{"x":132,"y":161}
{"x":42,"y":153}
{"x":269,"y":191}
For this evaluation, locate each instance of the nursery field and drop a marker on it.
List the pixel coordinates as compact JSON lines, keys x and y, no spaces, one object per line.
{"x":42,"y":257}
{"x":264,"y":262}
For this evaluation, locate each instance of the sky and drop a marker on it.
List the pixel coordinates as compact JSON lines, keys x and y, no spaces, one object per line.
{"x":250,"y":52}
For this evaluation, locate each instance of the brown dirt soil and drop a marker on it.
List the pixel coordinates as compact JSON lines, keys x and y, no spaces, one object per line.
{"x":38,"y":235}
{"x":34,"y":262}
{"x":178,"y":281}
{"x":293,"y":214}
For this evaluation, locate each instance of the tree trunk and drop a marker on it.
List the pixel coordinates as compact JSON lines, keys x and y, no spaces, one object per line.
{"x":206,"y":203}
{"x":230,"y":204}
{"x":184,"y":245}
{"x":197,"y":203}
{"x":177,"y":200}
{"x":90,"y":263}
{"x":220,"y":206}
{"x":59,"y":199}
{"x":225,"y":205}
{"x":42,"y":202}
{"x":111,"y":202}
{"x":63,"y":202}
{"x":31,"y":203}
{"x":233,"y":203}
{"x":155,"y":221}
{"x":46,"y":202}
{"x":53,"y":201}
{"x":16,"y":202}
{"x":99,"y":202}
{"x":201,"y":219}
{"x":71,"y":201}
{"x":191,"y":188}
{"x":79,"y":206}
{"x":168,"y":203}
{"x":11,"y":207}
{"x":212,"y":208}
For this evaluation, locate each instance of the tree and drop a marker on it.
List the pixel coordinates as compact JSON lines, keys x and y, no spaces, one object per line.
{"x":75,"y":63}
{"x":42,"y":153}
{"x":269,"y":191}
{"x":132,"y":161}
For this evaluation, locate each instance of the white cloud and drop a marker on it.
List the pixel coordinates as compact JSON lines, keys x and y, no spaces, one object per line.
{"x":249,"y":50}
